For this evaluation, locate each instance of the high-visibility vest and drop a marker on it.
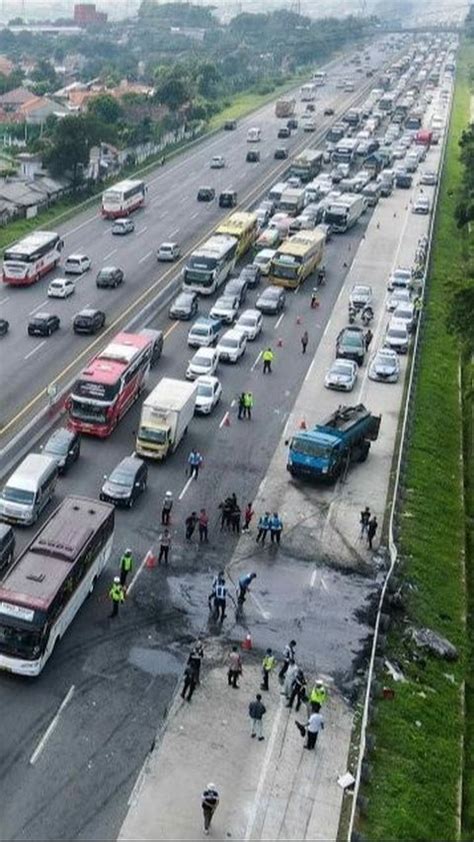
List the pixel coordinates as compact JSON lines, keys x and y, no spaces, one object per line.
{"x":116,"y":593}
{"x":318,"y":695}
{"x":248,"y":400}
{"x":267,"y":356}
{"x":268,"y":663}
{"x":127,"y":563}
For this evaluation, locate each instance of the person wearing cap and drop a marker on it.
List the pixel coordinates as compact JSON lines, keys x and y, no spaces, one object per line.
{"x":317,"y":696}
{"x":166,"y":509}
{"x":126,"y":565}
{"x":117,"y":595}
{"x":209,"y":803}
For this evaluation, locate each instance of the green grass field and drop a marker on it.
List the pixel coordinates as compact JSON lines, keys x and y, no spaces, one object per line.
{"x":418,"y":761}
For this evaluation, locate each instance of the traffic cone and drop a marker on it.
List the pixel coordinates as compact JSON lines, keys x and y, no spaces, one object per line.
{"x":150,"y":560}
{"x":247,"y":643}
{"x":227,"y":420}
{"x":303,"y":424}
{"x":280,"y":343}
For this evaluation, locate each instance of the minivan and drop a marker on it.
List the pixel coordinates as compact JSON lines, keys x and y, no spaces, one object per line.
{"x":29,"y":489}
{"x":204,"y":332}
{"x":7,"y":545}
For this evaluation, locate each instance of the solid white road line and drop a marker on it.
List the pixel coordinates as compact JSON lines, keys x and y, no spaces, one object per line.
{"x":35,"y":350}
{"x":139,"y":570}
{"x":142,"y":230}
{"x":313,"y":577}
{"x":265,"y":614}
{"x":224,"y":420}
{"x":145,"y":257}
{"x":256,"y":361}
{"x":279,"y":321}
{"x":106,"y":256}
{"x":233,"y":402}
{"x":4,"y":300}
{"x":51,"y":727}
{"x":38,"y":307}
{"x":183,"y":492}
{"x":263,"y":773}
{"x":308,"y":373}
{"x":194,"y":215}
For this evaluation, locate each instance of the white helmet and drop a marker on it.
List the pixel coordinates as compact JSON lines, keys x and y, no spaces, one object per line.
{"x":117,"y":580}
{"x":168,"y":494}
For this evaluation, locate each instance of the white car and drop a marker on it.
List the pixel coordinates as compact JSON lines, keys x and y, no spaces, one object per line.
{"x":204,"y":362}
{"x":76,"y":264}
{"x":400,"y":278}
{"x":268,"y":238}
{"x":406,"y":313}
{"x":61,"y":288}
{"x":217,"y":162}
{"x":208,"y":394}
{"x":250,"y":323}
{"x":421,"y":205}
{"x":398,"y":296}
{"x":168,"y":252}
{"x":397,"y":337}
{"x":263,"y":259}
{"x":231,"y":346}
{"x":225,"y":308}
{"x":429,"y":177}
{"x":385,"y":366}
{"x":342,"y":375}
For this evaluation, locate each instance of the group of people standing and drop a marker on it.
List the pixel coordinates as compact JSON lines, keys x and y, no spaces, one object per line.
{"x":368,"y":527}
{"x":245,"y":405}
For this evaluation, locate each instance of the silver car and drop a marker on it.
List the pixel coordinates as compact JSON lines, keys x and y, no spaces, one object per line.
{"x":406,"y":313}
{"x":225,"y":308}
{"x":385,"y":366}
{"x":398,"y":296}
{"x":342,"y":375}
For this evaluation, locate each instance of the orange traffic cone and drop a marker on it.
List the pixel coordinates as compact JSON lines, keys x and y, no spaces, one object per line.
{"x":150,"y":560}
{"x":303,"y":424}
{"x":247,"y":643}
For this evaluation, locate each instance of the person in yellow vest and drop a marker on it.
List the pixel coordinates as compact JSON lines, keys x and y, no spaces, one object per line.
{"x":117,"y":595}
{"x":126,"y":565}
{"x":268,"y":664}
{"x":317,"y":696}
{"x":267,"y":358}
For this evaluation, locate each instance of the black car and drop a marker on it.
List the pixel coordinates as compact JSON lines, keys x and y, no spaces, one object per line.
{"x":156,"y":337}
{"x":328,"y":112}
{"x":65,"y":446}
{"x":126,"y":482}
{"x":230,"y":125}
{"x":237,"y":287}
{"x":252,"y":157}
{"x":284,"y":132}
{"x":228,"y":199}
{"x":4,"y":325}
{"x":252,"y":275}
{"x":7,"y":546}
{"x":88,"y":321}
{"x":43,"y":324}
{"x":351,"y":344}
{"x":292,"y":123}
{"x":185,"y":306}
{"x":281,"y":153}
{"x":109,"y":276}
{"x":206,"y":194}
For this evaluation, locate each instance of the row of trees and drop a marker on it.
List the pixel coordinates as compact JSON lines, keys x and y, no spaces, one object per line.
{"x":461,"y":314}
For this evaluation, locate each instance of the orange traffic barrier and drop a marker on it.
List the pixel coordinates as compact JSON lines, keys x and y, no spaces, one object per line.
{"x":150,"y":559}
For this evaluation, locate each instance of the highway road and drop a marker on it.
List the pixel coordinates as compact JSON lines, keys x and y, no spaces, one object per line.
{"x":172,"y":213}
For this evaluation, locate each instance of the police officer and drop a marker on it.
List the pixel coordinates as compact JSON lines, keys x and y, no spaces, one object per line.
{"x":288,"y":658}
{"x":117,"y":595}
{"x":263,"y":527}
{"x":317,"y":696}
{"x":195,"y":462}
{"x":241,"y":412}
{"x":276,"y":525}
{"x":248,"y":405}
{"x":268,"y":664}
{"x":220,"y":599}
{"x":126,"y":565}
{"x":267,"y":361}
{"x":166,"y":509}
{"x":212,"y":595}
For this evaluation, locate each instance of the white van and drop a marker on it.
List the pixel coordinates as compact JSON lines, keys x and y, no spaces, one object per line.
{"x":204,"y":332}
{"x":254,"y":135}
{"x":29,"y":489}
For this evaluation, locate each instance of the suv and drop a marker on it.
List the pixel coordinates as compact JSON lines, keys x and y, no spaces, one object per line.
{"x":88,"y":321}
{"x":350,"y":344}
{"x":109,"y":276}
{"x":230,"y":125}
{"x":284,"y":132}
{"x":206,"y":194}
{"x":228,"y":198}
{"x":76,"y":264}
{"x":43,"y":324}
{"x":281,"y":153}
{"x":64,"y":445}
{"x":123,"y":226}
{"x":126,"y":482}
{"x":168,"y":252}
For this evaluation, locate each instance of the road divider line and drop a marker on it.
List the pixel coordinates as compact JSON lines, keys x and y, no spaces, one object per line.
{"x":173,"y":233}
{"x":34,"y":350}
{"x":170,"y":329}
{"x":138,"y":571}
{"x":254,"y":366}
{"x":313,"y":577}
{"x":194,"y":215}
{"x":145,"y":257}
{"x":110,"y":253}
{"x":232,"y":403}
{"x":186,"y":486}
{"x":225,"y":418}
{"x":52,"y":726}
{"x":38,"y":307}
{"x":265,"y":614}
{"x":308,"y":373}
{"x":279,"y":321}
{"x":142,"y":230}
{"x":4,"y":300}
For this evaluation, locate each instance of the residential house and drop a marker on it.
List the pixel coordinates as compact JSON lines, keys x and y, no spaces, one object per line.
{"x":6,"y":66}
{"x":13,"y":100}
{"x":38,"y":109}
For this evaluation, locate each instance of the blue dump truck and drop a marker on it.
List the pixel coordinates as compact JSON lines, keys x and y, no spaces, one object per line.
{"x":326,"y":451}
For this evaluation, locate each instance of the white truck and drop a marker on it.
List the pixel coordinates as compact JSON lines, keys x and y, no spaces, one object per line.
{"x":166,"y":413}
{"x":344,"y":212}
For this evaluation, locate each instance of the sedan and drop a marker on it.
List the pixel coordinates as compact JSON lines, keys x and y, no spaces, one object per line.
{"x":252,"y":156}
{"x":64,"y":445}
{"x":397,"y":337}
{"x":400,"y":278}
{"x":252,"y":275}
{"x":126,"y":482}
{"x":225,"y":308}
{"x":360,"y":296}
{"x":204,"y":362}
{"x":4,"y":326}
{"x":342,"y":375}
{"x":184,"y":307}
{"x":61,"y":288}
{"x":217,"y":162}
{"x":208,"y":395}
{"x":43,"y":324}
{"x":398,"y":296}
{"x":231,"y":346}
{"x":237,"y":287}
{"x":250,"y":323}
{"x":271,"y":301}
{"x":350,"y":344}
{"x":123,"y":226}
{"x":109,"y":276}
{"x":406,"y":313}
{"x":280,"y":154}
{"x":88,"y":321}
{"x":429,"y":178}
{"x":385,"y":366}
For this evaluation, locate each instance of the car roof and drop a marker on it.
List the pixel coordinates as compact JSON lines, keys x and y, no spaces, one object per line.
{"x":41,"y":316}
{"x":108,"y":269}
{"x":185,"y":293}
{"x":130,"y":463}
{"x":231,"y":334}
{"x":61,"y":434}
{"x":77,"y":257}
{"x":251,"y":312}
{"x":168,"y":245}
{"x":88,"y":311}
{"x":205,"y":352}
{"x":272,"y":289}
{"x":207,"y":379}
{"x":398,"y":324}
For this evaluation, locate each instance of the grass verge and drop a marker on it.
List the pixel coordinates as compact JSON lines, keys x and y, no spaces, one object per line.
{"x":418,"y":761}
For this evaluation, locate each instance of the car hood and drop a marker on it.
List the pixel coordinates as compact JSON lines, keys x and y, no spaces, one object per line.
{"x":113,"y":489}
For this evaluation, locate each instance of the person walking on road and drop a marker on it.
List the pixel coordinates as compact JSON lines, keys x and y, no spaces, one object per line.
{"x":220,"y":599}
{"x":190,"y":523}
{"x":248,"y":515}
{"x":165,"y":544}
{"x":126,"y":566}
{"x":166,"y":509}
{"x":195,"y":462}
{"x":117,"y":595}
{"x":298,"y":690}
{"x":209,"y":803}
{"x":276,"y":525}
{"x":190,"y":682}
{"x":288,"y":658}
{"x":304,"y":342}
{"x":263,"y":527}
{"x":248,"y":405}
{"x":235,"y":518}
{"x":219,"y":578}
{"x":241,"y":411}
{"x":364,"y":521}
{"x":226,"y":512}
{"x":235,"y":668}
{"x":203,"y":526}
{"x":257,"y":711}
{"x":195,"y":659}
{"x":267,"y":358}
{"x":314,"y":725}
{"x":371,"y":531}
{"x":268,"y":664}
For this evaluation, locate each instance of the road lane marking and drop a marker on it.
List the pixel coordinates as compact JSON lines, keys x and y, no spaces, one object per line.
{"x":278,"y":323}
{"x":170,"y":329}
{"x":4,"y":300}
{"x":173,"y":233}
{"x":145,"y":257}
{"x":139,"y":570}
{"x":186,"y":486}
{"x":79,"y":227}
{"x":106,"y":257}
{"x":265,"y":614}
{"x":313,"y":577}
{"x":38,"y":307}
{"x":183,"y":200}
{"x":308,"y":373}
{"x":194,"y":215}
{"x":52,"y":726}
{"x":35,"y":349}
{"x":142,"y":230}
{"x":225,"y":418}
{"x":232,"y":403}
{"x":256,"y":361}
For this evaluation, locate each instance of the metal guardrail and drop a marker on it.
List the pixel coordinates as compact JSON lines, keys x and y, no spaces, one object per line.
{"x":395,"y":502}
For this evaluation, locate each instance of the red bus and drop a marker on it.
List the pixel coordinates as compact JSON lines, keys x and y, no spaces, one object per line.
{"x":110,"y":384}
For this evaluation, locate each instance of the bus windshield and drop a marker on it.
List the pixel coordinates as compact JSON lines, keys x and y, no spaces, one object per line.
{"x":19,"y":642}
{"x":89,"y":412}
{"x":285,"y":270}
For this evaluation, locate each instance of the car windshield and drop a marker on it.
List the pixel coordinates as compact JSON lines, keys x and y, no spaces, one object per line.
{"x":17,"y":495}
{"x":204,"y":390}
{"x":403,"y":314}
{"x":359,"y":290}
{"x":72,"y":261}
{"x":56,"y":285}
{"x":201,"y":360}
{"x":402,"y":274}
{"x":354,"y":339}
{"x":225,"y":303}
{"x":228,"y":342}
{"x":271,"y":293}
{"x":183,"y":301}
{"x":121,"y":477}
{"x":384,"y":359}
{"x":247,"y":321}
{"x":340,"y":368}
{"x":56,"y":446}
{"x":396,"y":333}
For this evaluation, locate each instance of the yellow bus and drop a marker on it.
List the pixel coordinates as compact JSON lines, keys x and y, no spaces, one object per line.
{"x":296,"y":258}
{"x":243,"y":226}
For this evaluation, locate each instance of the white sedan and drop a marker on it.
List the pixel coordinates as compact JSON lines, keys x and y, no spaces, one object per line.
{"x":385,"y":366}
{"x":217,"y":162}
{"x":342,"y":375}
{"x":398,"y":296}
{"x":225,"y":308}
{"x":204,"y":362}
{"x":61,"y":288}
{"x":250,"y":323}
{"x":208,"y":394}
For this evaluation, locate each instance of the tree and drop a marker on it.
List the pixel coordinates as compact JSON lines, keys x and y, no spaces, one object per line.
{"x":70,"y":148}
{"x":44,"y":73}
{"x":106,"y":108}
{"x":461,"y":317}
{"x":208,"y":77}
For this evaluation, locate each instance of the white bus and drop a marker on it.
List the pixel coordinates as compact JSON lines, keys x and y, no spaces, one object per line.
{"x":123,"y":198}
{"x":319,"y":78}
{"x":210,"y":264}
{"x":25,"y":262}
{"x":45,"y":587}
{"x":308,"y":92}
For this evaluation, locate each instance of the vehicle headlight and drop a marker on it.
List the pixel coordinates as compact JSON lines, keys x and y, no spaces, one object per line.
{"x":324,"y":470}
